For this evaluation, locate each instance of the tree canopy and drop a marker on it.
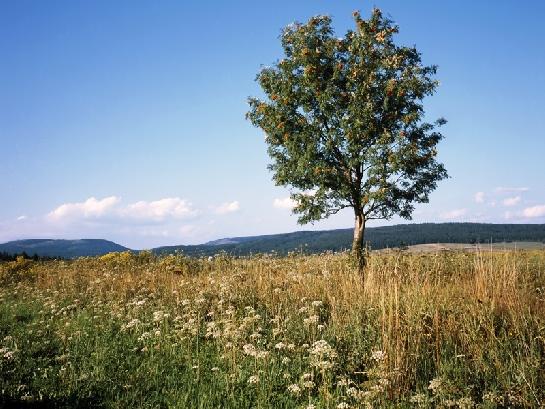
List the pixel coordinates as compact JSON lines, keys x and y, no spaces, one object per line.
{"x":344,"y":121}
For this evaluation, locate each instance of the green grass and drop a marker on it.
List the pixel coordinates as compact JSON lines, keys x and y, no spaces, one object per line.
{"x":425,"y":330}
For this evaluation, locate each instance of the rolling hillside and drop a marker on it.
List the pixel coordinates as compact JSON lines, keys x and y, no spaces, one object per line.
{"x":61,"y":248}
{"x":377,"y":237}
{"x":306,"y":241}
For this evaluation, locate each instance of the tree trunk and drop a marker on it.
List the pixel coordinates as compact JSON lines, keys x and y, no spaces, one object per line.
{"x":357,"y":244}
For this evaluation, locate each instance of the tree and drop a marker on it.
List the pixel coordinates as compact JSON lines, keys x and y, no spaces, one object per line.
{"x":344,"y":122}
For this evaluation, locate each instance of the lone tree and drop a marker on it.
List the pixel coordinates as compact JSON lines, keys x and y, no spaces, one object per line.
{"x":344,"y":123}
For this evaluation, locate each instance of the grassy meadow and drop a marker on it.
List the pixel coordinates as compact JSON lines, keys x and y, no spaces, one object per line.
{"x":450,"y":329}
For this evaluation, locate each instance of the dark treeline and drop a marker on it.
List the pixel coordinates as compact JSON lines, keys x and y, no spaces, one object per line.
{"x":12,"y":257}
{"x":376,"y":238}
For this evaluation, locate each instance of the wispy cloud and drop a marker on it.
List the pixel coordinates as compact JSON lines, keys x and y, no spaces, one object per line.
{"x":511,"y":201}
{"x":502,"y":189}
{"x":159,"y":210}
{"x":479,"y":197}
{"x":228,"y":207}
{"x":454,"y":214}
{"x":22,"y":217}
{"x":534,"y":211}
{"x":284,"y":203}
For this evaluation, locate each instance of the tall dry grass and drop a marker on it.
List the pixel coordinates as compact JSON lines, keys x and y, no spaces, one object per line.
{"x":424,"y":330}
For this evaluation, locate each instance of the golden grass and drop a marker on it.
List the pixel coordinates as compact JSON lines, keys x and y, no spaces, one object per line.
{"x":472,"y":324}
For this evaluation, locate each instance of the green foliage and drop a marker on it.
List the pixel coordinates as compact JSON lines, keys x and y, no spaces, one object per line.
{"x":344,"y":122}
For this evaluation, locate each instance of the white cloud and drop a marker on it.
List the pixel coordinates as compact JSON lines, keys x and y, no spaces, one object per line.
{"x":534,"y":211}
{"x":228,"y":207}
{"x":110,"y":208}
{"x":502,"y":189}
{"x":511,"y":201}
{"x":479,"y":197}
{"x":284,"y":203}
{"x":159,"y":210}
{"x":23,"y":217}
{"x":454,"y":214}
{"x":91,"y":208}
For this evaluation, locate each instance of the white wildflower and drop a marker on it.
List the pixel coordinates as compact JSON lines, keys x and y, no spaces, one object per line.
{"x":378,"y":355}
{"x":465,"y":403}
{"x":280,"y":346}
{"x":313,"y":319}
{"x":435,"y":385}
{"x":254,"y":379}
{"x":131,"y":324}
{"x":294,"y":389}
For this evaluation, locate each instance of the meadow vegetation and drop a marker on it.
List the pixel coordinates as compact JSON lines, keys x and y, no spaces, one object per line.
{"x":451,"y":329}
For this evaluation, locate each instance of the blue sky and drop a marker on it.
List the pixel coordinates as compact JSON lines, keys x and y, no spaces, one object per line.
{"x":125,"y":120}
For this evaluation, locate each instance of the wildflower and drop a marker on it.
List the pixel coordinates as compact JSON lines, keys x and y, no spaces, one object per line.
{"x":317,"y":303}
{"x":313,"y":319}
{"x":435,"y":385}
{"x":343,"y":405}
{"x":378,"y":356}
{"x":419,"y":399}
{"x":322,"y":355}
{"x":215,"y":369}
{"x":159,"y":316}
{"x":280,"y":345}
{"x":294,"y":389}
{"x":286,"y":360}
{"x":254,"y":379}
{"x":311,"y":406}
{"x":308,"y":384}
{"x":465,"y":403}
{"x":249,"y":349}
{"x":131,"y":324}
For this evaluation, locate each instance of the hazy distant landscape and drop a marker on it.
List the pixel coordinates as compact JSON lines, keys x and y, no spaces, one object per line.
{"x":398,"y":236}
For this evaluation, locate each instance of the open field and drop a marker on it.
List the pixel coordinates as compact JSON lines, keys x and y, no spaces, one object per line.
{"x":515,"y":245}
{"x":448,"y":329}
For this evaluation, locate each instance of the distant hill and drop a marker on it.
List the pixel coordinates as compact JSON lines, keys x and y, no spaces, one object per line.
{"x":61,"y":248}
{"x":377,"y":237}
{"x":306,"y":241}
